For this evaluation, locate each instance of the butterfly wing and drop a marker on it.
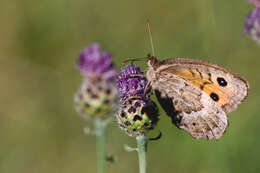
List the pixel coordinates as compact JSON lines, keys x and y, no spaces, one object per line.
{"x":201,"y":94}
{"x":226,"y":88}
{"x":207,"y":123}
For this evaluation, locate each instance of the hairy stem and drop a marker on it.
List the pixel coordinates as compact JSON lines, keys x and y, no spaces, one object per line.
{"x":141,"y":149}
{"x":100,"y":129}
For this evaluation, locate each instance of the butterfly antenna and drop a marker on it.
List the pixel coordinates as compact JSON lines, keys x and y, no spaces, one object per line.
{"x":150,"y":36}
{"x":151,"y":41}
{"x":134,"y":59}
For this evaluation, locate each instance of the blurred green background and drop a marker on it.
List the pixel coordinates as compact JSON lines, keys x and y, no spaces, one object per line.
{"x":39,"y":43}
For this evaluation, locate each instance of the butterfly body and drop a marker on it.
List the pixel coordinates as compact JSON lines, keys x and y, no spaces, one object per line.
{"x":200,"y":92}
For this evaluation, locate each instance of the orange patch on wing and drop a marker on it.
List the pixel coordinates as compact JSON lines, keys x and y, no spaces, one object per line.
{"x":201,"y":80}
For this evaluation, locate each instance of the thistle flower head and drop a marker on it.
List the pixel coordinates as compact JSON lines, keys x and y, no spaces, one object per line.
{"x":138,"y":114}
{"x":94,"y":63}
{"x":97,"y":96}
{"x":252,"y":25}
{"x":132,"y":83}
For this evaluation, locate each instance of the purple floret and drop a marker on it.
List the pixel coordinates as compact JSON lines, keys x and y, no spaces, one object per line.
{"x":132,"y":86}
{"x":251,"y":20}
{"x":94,"y":63}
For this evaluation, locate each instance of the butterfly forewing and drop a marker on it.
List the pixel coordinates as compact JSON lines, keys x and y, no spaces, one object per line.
{"x":226,"y":88}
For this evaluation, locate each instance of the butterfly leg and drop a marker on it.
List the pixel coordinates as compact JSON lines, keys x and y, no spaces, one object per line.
{"x":143,"y":76}
{"x":146,"y":87}
{"x":130,"y":98}
{"x":136,"y":75}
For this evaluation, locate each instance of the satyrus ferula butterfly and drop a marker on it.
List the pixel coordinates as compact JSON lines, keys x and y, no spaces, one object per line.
{"x":196,"y":94}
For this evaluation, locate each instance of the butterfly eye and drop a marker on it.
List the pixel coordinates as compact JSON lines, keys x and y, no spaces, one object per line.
{"x":221,"y":81}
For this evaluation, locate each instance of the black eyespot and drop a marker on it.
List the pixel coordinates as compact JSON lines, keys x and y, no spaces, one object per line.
{"x":137,"y":117}
{"x":194,"y":124}
{"x":214,"y":97}
{"x":221,"y":81}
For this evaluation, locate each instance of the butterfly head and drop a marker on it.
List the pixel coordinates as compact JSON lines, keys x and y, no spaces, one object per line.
{"x":153,"y":62}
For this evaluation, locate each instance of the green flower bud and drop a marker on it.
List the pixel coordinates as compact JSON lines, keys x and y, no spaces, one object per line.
{"x":97,"y":98}
{"x":137,"y":116}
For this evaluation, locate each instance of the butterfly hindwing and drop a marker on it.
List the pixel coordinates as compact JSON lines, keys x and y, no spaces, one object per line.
{"x":207,"y":121}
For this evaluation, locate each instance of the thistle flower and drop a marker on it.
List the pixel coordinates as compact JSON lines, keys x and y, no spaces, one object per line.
{"x":130,"y":86}
{"x":138,"y":114}
{"x":252,"y":25}
{"x":97,"y":96}
{"x":95,"y":64}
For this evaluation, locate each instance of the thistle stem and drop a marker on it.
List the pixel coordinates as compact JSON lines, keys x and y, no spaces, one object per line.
{"x":141,"y":149}
{"x":100,"y":129}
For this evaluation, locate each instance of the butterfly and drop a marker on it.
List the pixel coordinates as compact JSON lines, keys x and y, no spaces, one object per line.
{"x":196,"y":94}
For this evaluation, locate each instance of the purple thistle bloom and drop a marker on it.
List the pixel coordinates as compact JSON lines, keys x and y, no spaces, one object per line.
{"x":252,"y":25}
{"x":252,"y":18}
{"x":138,"y":114}
{"x":94,"y":63}
{"x":98,"y":95}
{"x":132,"y":86}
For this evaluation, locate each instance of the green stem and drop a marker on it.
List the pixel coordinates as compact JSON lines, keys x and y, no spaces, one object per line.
{"x":142,"y":146}
{"x":100,"y":128}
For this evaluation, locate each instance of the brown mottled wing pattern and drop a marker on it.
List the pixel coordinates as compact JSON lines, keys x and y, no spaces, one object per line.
{"x":207,"y":123}
{"x":230,"y":88}
{"x":194,"y":88}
